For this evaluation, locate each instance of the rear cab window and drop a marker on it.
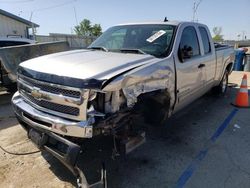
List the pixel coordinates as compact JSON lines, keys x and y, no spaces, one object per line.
{"x":205,"y":40}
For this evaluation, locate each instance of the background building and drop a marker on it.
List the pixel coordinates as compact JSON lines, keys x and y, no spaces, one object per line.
{"x":12,"y":25}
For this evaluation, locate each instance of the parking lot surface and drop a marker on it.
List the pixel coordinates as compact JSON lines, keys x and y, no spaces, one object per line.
{"x":204,"y":145}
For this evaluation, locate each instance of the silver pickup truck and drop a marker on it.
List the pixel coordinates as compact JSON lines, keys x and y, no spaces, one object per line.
{"x":148,"y":70}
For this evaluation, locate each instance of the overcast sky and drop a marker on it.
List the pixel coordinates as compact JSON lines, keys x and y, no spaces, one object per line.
{"x":60,"y":16}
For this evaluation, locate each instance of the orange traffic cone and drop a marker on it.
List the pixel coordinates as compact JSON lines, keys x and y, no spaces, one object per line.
{"x":242,"y":96}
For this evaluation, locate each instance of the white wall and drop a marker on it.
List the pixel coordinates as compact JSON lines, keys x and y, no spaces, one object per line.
{"x":8,"y":26}
{"x":74,"y":41}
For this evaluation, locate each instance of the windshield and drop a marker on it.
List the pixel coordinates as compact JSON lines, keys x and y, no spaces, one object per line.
{"x":153,"y":39}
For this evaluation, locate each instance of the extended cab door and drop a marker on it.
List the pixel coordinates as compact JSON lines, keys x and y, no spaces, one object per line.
{"x":208,"y":54}
{"x":190,"y":68}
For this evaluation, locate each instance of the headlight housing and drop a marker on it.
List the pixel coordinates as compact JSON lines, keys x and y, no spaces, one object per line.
{"x":92,"y":95}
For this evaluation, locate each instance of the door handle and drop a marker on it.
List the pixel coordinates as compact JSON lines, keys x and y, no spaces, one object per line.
{"x":201,"y":65}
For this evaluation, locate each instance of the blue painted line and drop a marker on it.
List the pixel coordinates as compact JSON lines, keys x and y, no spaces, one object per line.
{"x":191,"y":168}
{"x":223,"y":125}
{"x":187,"y":174}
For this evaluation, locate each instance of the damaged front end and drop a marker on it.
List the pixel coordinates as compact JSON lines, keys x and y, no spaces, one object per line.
{"x":146,"y":92}
{"x":111,"y":109}
{"x":143,"y":80}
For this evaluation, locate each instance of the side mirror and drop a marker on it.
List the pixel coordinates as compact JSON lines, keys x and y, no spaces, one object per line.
{"x":185,"y":52}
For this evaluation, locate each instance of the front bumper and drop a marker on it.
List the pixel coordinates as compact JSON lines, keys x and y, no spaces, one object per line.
{"x":49,"y":123}
{"x":64,"y":150}
{"x":37,"y":125}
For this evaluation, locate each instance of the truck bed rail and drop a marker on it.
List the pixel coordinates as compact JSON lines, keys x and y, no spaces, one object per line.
{"x":11,"y":57}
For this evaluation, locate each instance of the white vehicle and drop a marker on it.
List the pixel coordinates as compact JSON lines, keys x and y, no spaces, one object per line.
{"x":14,"y":50}
{"x":14,"y":41}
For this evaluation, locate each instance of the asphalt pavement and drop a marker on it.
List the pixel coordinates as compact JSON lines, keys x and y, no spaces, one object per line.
{"x":205,"y":145}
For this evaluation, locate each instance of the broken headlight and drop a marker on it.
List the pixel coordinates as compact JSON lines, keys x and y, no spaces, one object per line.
{"x":92,"y":95}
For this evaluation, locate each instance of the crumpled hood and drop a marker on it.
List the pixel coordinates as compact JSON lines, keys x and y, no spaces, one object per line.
{"x":86,"y":64}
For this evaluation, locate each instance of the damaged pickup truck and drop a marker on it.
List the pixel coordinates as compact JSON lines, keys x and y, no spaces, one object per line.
{"x":148,"y":70}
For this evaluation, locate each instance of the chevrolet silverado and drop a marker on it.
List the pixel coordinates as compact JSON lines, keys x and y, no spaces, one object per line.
{"x":149,"y":70}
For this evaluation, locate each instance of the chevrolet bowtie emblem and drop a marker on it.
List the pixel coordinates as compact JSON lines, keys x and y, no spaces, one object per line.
{"x":36,"y":93}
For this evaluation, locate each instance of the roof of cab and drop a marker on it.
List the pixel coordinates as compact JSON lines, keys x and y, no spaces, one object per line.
{"x":175,"y":23}
{"x":152,"y":22}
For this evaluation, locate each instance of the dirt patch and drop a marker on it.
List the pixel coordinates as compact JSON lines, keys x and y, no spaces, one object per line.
{"x":22,"y":171}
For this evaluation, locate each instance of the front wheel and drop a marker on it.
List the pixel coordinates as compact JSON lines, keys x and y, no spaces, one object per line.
{"x":155,"y":108}
{"x":221,"y":89}
{"x":12,"y":88}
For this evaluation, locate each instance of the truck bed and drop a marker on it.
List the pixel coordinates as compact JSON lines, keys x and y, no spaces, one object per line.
{"x":11,"y":57}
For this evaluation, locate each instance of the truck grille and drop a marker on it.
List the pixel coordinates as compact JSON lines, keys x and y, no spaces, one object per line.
{"x":55,"y":107}
{"x":55,"y":99}
{"x":55,"y":90}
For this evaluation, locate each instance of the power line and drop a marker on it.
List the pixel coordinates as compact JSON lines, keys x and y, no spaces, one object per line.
{"x":21,"y":1}
{"x":51,"y":7}
{"x":55,"y":6}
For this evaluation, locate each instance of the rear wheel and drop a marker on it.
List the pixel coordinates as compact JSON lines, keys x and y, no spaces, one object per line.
{"x":221,"y":89}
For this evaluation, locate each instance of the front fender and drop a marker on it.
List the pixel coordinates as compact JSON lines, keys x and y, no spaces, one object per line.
{"x":145,"y":79}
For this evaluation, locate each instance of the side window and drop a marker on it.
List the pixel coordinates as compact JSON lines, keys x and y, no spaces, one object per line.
{"x":189,"y":45}
{"x":205,"y":40}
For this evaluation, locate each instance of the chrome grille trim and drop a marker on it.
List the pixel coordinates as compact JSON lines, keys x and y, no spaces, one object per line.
{"x":53,"y":88}
{"x":39,"y":119}
{"x":60,"y":99}
{"x":60,"y":104}
{"x":51,"y":106}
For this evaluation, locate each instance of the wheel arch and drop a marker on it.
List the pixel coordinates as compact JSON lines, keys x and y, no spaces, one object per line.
{"x":229,"y":67}
{"x":156,"y":105}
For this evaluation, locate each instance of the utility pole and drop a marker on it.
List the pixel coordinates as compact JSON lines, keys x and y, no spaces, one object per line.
{"x":75,"y":16}
{"x":243,"y":35}
{"x":195,"y":7}
{"x":239,"y":36}
{"x":32,"y":25}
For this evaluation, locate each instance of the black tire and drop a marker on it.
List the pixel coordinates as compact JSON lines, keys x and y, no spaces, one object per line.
{"x":221,"y":89}
{"x":12,"y":88}
{"x":154,"y":109}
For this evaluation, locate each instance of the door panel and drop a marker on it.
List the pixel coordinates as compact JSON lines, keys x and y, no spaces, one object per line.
{"x":208,"y":55}
{"x":191,"y":75}
{"x":190,"y":81}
